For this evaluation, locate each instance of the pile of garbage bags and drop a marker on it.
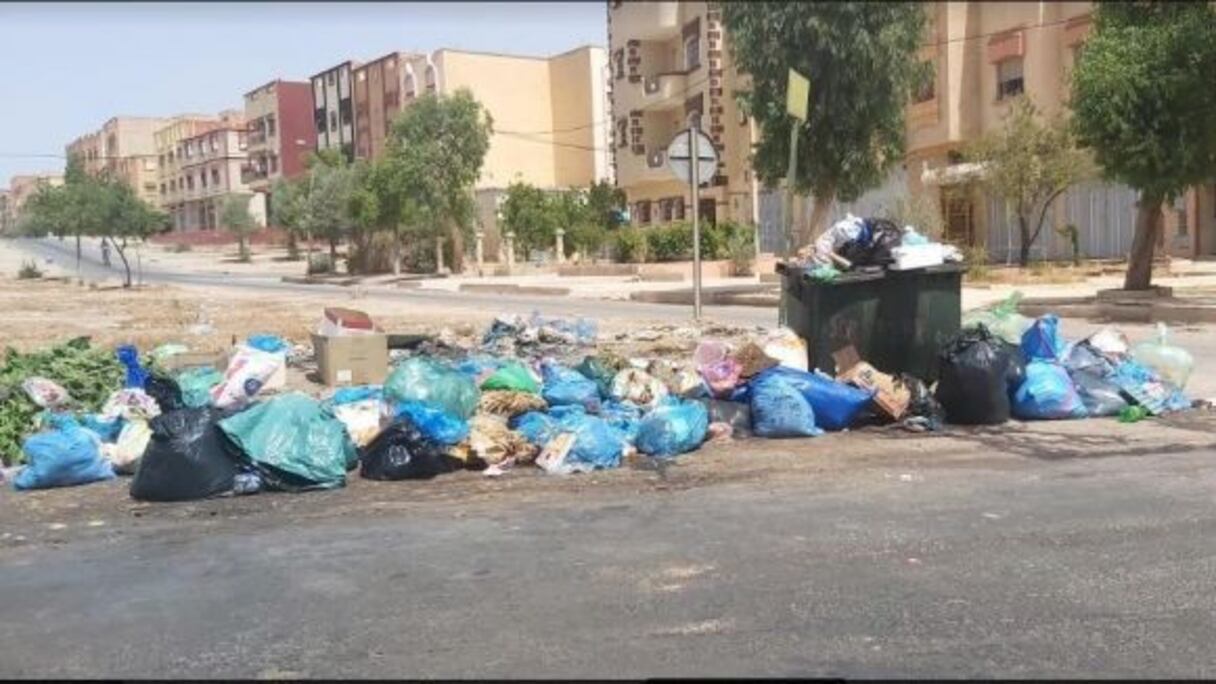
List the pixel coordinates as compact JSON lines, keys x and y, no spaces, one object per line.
{"x":987,"y":377}
{"x":876,"y":243}
{"x":539,"y":393}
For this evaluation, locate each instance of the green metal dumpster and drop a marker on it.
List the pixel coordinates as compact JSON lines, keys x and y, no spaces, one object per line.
{"x":896,"y":320}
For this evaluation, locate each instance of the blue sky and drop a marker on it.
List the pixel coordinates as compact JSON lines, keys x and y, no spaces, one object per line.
{"x":68,"y":67}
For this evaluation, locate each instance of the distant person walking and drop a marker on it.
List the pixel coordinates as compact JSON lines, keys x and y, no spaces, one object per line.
{"x":105,"y":252}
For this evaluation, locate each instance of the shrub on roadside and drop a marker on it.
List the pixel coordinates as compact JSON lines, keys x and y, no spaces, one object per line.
{"x":320,"y":263}
{"x":181,"y":248}
{"x":29,"y":271}
{"x":632,"y":247}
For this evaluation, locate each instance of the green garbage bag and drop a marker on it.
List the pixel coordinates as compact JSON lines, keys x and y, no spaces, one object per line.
{"x":595,"y":369}
{"x":196,"y":385}
{"x":425,"y":380}
{"x":513,"y":377}
{"x":294,"y":442}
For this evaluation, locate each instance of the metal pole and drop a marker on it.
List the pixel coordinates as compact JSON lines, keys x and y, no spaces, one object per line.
{"x":695,"y":179}
{"x":788,"y":206}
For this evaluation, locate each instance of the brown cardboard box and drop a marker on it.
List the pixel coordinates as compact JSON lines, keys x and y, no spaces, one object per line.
{"x":892,"y":397}
{"x":351,"y":359}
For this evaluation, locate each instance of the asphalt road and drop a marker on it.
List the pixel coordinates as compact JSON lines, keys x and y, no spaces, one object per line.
{"x":1001,"y":566}
{"x":92,"y":268}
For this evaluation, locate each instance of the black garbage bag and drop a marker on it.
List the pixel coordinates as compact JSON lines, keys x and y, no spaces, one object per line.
{"x":873,"y":246}
{"x":401,"y":452}
{"x":978,"y":372}
{"x":165,"y":391}
{"x":187,"y":458}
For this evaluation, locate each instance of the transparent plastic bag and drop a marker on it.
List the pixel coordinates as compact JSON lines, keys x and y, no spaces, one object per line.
{"x":1171,"y":362}
{"x":1002,"y":319}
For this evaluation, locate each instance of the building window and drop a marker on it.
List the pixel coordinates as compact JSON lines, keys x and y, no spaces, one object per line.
{"x":692,"y":45}
{"x":333,"y":121}
{"x":925,"y":87}
{"x":189,"y":181}
{"x":274,"y":163}
{"x":361,"y":76}
{"x":665,"y":209}
{"x":160,"y":160}
{"x":643,"y":211}
{"x":215,"y":177}
{"x":202,"y":178}
{"x":242,"y":140}
{"x":430,"y":79}
{"x":162,"y":188}
{"x":344,"y":112}
{"x":329,"y":79}
{"x":618,"y":64}
{"x":1009,"y":78}
{"x":149,"y":187}
{"x":677,"y":208}
{"x":622,"y":132}
{"x":270,"y":125}
{"x":215,"y":143}
{"x":173,"y":186}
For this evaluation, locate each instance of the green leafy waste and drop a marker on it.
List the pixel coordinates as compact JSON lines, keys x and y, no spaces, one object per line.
{"x":89,"y":375}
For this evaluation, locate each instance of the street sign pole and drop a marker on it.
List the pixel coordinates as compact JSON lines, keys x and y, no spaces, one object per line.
{"x":695,"y":182}
{"x":797,"y":100}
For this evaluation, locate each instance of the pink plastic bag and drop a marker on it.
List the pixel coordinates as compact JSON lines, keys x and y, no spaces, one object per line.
{"x":722,"y":376}
{"x":710,"y":352}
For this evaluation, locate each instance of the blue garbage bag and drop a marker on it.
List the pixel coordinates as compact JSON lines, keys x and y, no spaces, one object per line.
{"x":778,"y":409}
{"x":475,"y":364}
{"x":106,"y":429}
{"x":350,"y":395}
{"x":1047,"y":393}
{"x":61,"y":458}
{"x":673,"y":427}
{"x":596,"y":444}
{"x":1043,"y":341}
{"x":835,"y":404}
{"x":267,"y":343}
{"x":536,"y":427}
{"x":434,"y":423}
{"x":624,"y":417}
{"x":1148,"y":388}
{"x":293,"y":442}
{"x":563,"y":386}
{"x":137,"y":375}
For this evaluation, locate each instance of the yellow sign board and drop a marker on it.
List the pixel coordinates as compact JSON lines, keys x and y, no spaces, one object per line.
{"x":797,"y":95}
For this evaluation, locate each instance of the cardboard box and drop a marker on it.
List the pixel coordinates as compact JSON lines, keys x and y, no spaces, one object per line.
{"x":351,"y":359}
{"x":890,"y":396}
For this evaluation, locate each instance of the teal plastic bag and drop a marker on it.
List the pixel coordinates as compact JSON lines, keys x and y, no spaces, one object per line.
{"x":420,"y":379}
{"x":196,"y":385}
{"x":294,"y":442}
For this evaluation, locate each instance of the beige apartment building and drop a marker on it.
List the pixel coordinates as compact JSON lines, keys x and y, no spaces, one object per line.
{"x":125,"y":146}
{"x":171,"y":160}
{"x":984,"y":54}
{"x":670,"y":67}
{"x":550,"y":115}
{"x":669,"y":61}
{"x":21,"y":189}
{"x":209,"y":171}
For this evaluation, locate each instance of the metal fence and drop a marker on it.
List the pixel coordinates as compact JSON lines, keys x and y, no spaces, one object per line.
{"x":1104,"y":214}
{"x":877,"y":202}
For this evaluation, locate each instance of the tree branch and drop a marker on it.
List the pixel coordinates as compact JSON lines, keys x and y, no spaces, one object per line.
{"x":1043,"y":212}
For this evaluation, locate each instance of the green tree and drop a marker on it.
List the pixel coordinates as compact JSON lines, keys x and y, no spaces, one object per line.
{"x":1143,"y":101}
{"x":287,"y":210}
{"x":529,"y":212}
{"x":93,"y":206}
{"x":861,"y":60}
{"x":439,"y":144}
{"x":235,"y":217}
{"x":1029,"y":163}
{"x":605,"y":202}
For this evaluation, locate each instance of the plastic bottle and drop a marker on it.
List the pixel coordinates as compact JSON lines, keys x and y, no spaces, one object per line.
{"x":1133,"y":414}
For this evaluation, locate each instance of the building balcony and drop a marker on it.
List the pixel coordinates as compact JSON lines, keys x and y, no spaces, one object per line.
{"x":645,"y":20}
{"x":253,"y":174}
{"x":255,"y":137}
{"x":651,"y":167}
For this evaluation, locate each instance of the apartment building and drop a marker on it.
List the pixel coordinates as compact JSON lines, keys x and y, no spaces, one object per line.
{"x":670,"y":68}
{"x":125,"y":146}
{"x":281,"y":133}
{"x":209,"y":171}
{"x":550,"y":115}
{"x":170,"y":158}
{"x":333,"y":108}
{"x":983,"y":55}
{"x":21,"y":189}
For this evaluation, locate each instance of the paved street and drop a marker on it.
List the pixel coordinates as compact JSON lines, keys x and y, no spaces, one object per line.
{"x":996,"y":564}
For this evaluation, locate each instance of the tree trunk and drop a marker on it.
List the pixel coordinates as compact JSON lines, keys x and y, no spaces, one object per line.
{"x":333,"y":254}
{"x":813,"y":227}
{"x":457,"y":249}
{"x":1140,"y":261}
{"x":77,"y":253}
{"x":122,"y":254}
{"x":293,"y":249}
{"x":242,"y":250}
{"x":1024,"y":249}
{"x":396,"y":252}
